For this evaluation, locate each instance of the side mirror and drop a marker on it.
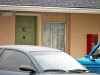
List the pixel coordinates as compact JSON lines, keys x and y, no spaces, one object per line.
{"x":91,"y":58}
{"x":86,"y":56}
{"x":26,"y":68}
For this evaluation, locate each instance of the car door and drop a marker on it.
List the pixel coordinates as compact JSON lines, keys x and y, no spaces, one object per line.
{"x":93,"y":62}
{"x":93,"y":65}
{"x":10,"y":62}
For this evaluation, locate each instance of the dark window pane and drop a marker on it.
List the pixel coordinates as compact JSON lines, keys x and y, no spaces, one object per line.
{"x":11,"y":60}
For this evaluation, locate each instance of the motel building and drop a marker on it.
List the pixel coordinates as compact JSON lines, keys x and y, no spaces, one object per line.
{"x":61,"y":25}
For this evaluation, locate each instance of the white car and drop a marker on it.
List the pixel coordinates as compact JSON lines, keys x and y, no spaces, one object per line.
{"x":32,"y":60}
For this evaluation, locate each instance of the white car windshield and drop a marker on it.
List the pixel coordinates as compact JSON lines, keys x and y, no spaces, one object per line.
{"x":56,"y":60}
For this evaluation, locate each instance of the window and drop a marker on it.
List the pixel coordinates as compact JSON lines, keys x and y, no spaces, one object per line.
{"x":1,"y":50}
{"x":96,"y":54}
{"x":54,"y":35}
{"x":11,"y":60}
{"x":56,"y":60}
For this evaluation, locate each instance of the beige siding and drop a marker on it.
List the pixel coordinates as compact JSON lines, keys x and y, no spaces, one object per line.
{"x":49,"y":16}
{"x":81,"y":25}
{"x":60,"y":17}
{"x":7,"y":29}
{"x":54,"y":17}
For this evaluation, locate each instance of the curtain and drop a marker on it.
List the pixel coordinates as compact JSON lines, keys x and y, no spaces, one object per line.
{"x":54,"y":35}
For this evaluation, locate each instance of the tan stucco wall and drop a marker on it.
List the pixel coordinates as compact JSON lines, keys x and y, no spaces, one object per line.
{"x":7,"y":29}
{"x":81,"y":25}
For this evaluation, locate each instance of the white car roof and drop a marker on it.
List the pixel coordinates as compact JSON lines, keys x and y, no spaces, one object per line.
{"x":28,"y":48}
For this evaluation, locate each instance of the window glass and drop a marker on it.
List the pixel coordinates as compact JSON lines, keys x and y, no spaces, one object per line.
{"x":1,"y":50}
{"x":96,"y":54}
{"x":11,"y":60}
{"x":54,"y":35}
{"x":56,"y":60}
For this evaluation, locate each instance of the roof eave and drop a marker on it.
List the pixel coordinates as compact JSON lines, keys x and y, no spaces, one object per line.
{"x":49,"y":9}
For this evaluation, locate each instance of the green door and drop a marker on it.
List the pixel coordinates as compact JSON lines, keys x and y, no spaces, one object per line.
{"x":25,"y":32}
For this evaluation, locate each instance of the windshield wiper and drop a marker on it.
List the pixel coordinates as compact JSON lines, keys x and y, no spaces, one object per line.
{"x":79,"y":70}
{"x":54,"y":70}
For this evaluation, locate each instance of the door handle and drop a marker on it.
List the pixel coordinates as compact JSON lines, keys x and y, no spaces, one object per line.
{"x":23,"y":37}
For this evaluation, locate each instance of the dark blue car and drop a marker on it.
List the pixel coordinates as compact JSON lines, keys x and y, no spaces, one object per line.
{"x":92,"y":60}
{"x":35,"y":60}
